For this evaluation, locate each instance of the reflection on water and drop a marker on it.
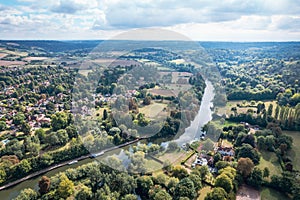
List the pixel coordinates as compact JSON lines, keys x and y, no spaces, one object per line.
{"x":193,"y":132}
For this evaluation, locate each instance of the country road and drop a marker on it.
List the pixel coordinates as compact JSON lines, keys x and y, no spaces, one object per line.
{"x":102,"y":152}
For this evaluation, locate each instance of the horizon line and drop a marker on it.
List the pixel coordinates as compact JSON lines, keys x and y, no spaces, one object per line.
{"x":150,"y":40}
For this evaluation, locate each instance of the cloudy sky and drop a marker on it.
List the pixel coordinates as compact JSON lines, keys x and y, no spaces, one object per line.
{"x":205,"y":20}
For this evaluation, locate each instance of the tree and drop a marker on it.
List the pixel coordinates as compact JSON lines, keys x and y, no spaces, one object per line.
{"x":196,"y":180}
{"x":217,"y":193}
{"x":130,"y":197}
{"x":71,"y":131}
{"x":46,"y":160}
{"x":270,"y":110}
{"x":3,"y":126}
{"x":105,"y":115}
{"x":84,"y":193}
{"x":185,"y":188}
{"x":147,"y":100}
{"x":245,"y":166}
{"x":41,"y":134}
{"x":59,"y":121}
{"x":202,"y":171}
{"x":144,"y":183}
{"x":266,"y":172}
{"x":162,"y":195}
{"x":260,"y":107}
{"x":62,"y":136}
{"x":65,"y":187}
{"x":224,"y":182}
{"x":25,"y":128}
{"x":261,"y":142}
{"x":2,"y":175}
{"x":217,"y":157}
{"x":27,"y":194}
{"x":23,"y":167}
{"x":285,"y":139}
{"x":270,"y":142}
{"x":161,"y":179}
{"x":247,"y":151}
{"x":256,"y":178}
{"x":44,"y":185}
{"x":295,"y":99}
{"x":50,"y":106}
{"x":123,"y":183}
{"x":173,"y":146}
{"x":179,"y":172}
{"x":18,"y":118}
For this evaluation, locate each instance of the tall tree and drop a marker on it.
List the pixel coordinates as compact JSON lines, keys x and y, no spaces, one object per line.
{"x":245,"y":166}
{"x":217,"y":194}
{"x":44,"y":185}
{"x":224,"y":182}
{"x":185,"y":188}
{"x":65,"y":187}
{"x":270,"y":110}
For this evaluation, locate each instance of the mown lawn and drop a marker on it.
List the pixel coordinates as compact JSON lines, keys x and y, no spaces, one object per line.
{"x":203,"y":192}
{"x":153,"y":110}
{"x":294,"y":153}
{"x":270,"y":160}
{"x":271,"y":194}
{"x":174,"y":157}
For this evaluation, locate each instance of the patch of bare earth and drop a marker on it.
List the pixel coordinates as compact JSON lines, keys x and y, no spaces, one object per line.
{"x":34,"y":58}
{"x":2,"y":55}
{"x":11,"y":63}
{"x":246,"y":192}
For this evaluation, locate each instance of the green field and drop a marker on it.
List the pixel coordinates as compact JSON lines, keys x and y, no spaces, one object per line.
{"x":85,"y":72}
{"x":203,"y":192}
{"x":174,"y":157}
{"x":295,"y":151}
{"x":270,"y":160}
{"x":271,"y":194}
{"x":153,"y":110}
{"x":227,"y":109}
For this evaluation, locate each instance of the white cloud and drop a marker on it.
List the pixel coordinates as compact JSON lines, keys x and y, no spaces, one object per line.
{"x":281,"y":22}
{"x":221,"y":19}
{"x":72,"y":6}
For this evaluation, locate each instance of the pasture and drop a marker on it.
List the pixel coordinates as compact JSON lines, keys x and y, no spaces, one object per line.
{"x":154,"y":110}
{"x":294,"y":153}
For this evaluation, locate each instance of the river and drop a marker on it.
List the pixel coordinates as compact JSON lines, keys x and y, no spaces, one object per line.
{"x":191,"y":133}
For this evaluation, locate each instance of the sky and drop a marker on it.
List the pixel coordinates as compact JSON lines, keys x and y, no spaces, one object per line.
{"x":202,"y":20}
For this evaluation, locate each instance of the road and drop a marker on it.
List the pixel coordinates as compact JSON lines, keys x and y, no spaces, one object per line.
{"x":102,"y":152}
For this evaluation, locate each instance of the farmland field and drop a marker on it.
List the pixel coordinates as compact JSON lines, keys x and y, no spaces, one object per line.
{"x":2,"y":55}
{"x":270,"y":160}
{"x":84,"y":72}
{"x":11,"y":63}
{"x":35,"y":58}
{"x":115,"y":62}
{"x":153,"y":110}
{"x":174,"y":157}
{"x":295,"y":152}
{"x":230,"y":104}
{"x":162,"y":92}
{"x":271,"y":194}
